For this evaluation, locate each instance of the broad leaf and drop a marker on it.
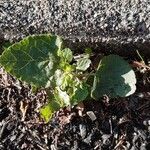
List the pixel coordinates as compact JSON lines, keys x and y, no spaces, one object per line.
{"x":49,"y":109}
{"x":68,"y":80}
{"x":66,"y":55}
{"x":114,"y":77}
{"x":6,"y":45}
{"x":62,"y":97}
{"x":80,"y":93}
{"x":34,"y":59}
{"x":58,"y":77}
{"x":83,"y":63}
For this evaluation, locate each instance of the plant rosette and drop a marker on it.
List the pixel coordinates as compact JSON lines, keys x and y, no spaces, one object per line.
{"x":43,"y":62}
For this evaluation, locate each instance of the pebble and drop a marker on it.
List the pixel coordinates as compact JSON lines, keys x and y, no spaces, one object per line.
{"x":149,"y":122}
{"x":91,"y":115}
{"x":88,"y":139}
{"x":145,"y":122}
{"x":13,"y":138}
{"x":140,"y":95}
{"x":105,"y":138}
{"x":82,"y":130}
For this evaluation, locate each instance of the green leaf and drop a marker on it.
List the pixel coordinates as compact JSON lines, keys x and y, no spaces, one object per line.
{"x":83,"y":64}
{"x":5,"y":45}
{"x":34,"y":59}
{"x":66,"y":55}
{"x":62,"y":97}
{"x":34,"y":89}
{"x":67,"y":80}
{"x":80,"y":93}
{"x":48,"y":110}
{"x":58,"y":77}
{"x":114,"y":77}
{"x":88,"y":50}
{"x":63,"y":79}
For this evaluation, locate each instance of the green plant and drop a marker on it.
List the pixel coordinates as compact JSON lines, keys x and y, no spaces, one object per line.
{"x":43,"y":62}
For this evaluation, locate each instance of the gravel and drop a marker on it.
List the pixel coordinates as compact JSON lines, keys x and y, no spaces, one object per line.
{"x":105,"y":21}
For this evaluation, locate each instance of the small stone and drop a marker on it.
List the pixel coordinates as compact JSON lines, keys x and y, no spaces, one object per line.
{"x":13,"y":138}
{"x":149,"y":122}
{"x":149,"y":128}
{"x":91,"y":115}
{"x":140,"y":95}
{"x":105,"y":139}
{"x":145,"y":122}
{"x":88,"y":139}
{"x":82,"y":130}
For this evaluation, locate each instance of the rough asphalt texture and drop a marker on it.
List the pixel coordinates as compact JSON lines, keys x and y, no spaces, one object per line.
{"x":110,"y":23}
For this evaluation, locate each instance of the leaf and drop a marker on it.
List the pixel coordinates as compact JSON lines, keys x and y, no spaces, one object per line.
{"x":63,"y":79}
{"x":34,"y":59}
{"x":114,"y":77}
{"x":62,"y":97}
{"x":80,"y":93}
{"x":88,"y":51}
{"x":48,"y":110}
{"x":67,"y":80}
{"x":58,"y":77}
{"x":66,"y":55}
{"x":83,"y":63}
{"x":5,"y":45}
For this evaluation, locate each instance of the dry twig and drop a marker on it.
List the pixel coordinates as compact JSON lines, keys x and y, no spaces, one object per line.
{"x":23,"y":108}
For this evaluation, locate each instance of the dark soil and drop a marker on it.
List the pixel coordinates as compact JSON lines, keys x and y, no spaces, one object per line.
{"x":107,"y":124}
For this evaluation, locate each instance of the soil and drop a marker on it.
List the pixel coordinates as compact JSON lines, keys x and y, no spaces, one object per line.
{"x":105,"y":124}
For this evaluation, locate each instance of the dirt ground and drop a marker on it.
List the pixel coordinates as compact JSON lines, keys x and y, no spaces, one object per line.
{"x":105,"y":124}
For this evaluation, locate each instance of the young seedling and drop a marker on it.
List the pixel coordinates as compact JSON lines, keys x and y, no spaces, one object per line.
{"x":43,"y":62}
